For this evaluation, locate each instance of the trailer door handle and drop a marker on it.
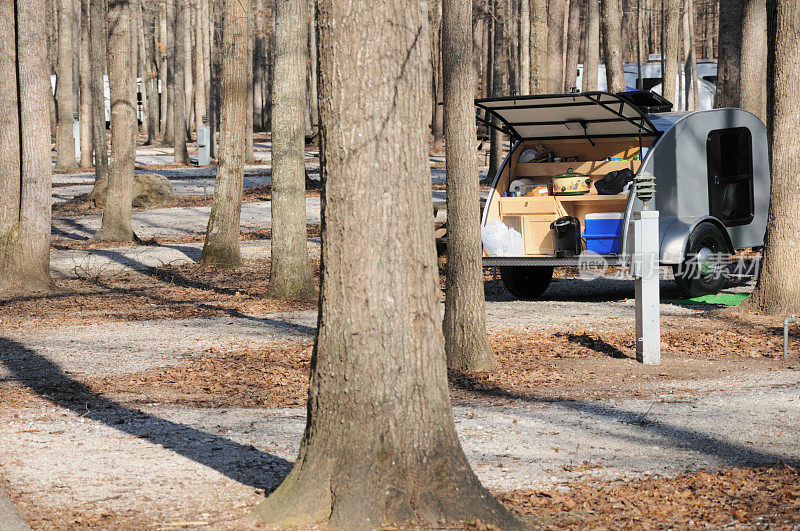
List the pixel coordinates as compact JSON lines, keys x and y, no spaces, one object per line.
{"x":716,"y":179}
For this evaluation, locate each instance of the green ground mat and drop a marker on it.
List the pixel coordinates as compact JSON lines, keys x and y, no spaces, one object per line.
{"x":720,"y":299}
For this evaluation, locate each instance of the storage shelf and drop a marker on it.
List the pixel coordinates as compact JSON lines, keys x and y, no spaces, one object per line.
{"x":595,"y":168}
{"x":591,"y":198}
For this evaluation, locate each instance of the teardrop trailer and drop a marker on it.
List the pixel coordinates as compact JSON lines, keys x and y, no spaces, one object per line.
{"x":710,"y":168}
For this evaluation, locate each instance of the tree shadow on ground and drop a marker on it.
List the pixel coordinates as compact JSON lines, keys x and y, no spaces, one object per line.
{"x":239,"y":462}
{"x":594,"y":343}
{"x":729,"y":453}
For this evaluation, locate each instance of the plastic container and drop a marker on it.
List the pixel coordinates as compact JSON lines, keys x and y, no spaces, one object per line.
{"x":602,"y":232}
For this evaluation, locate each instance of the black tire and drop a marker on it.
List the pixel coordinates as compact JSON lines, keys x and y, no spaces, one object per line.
{"x":698,"y":276}
{"x":526,"y":283}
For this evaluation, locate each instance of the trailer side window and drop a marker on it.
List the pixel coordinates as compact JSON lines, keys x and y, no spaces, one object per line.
{"x":730,"y":175}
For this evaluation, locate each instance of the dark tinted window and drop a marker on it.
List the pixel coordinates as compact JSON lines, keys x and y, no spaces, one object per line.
{"x":730,"y":175}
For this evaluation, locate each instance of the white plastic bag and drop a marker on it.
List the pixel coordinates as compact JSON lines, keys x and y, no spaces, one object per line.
{"x":500,"y":240}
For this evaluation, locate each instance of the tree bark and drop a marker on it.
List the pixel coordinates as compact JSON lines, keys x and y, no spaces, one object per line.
{"x":179,"y":83}
{"x":25,"y":174}
{"x":753,"y":50}
{"x":65,"y":143}
{"x":437,"y":114}
{"x":573,"y":43}
{"x":556,"y":9}
{"x":612,"y":45}
{"x":693,"y":56}
{"x":249,"y":157}
{"x":169,"y":128}
{"x":729,"y":61}
{"x":162,"y":70}
{"x":539,"y":38}
{"x":525,"y":47}
{"x":116,"y":225}
{"x":380,"y":444}
{"x":85,"y":91}
{"x":221,"y":247}
{"x":188,"y":75}
{"x":150,"y":59}
{"x":639,"y":47}
{"x":97,"y":29}
{"x":499,"y":83}
{"x":672,"y":24}
{"x":466,"y":344}
{"x":258,"y":65}
{"x":778,"y":288}
{"x":290,"y":268}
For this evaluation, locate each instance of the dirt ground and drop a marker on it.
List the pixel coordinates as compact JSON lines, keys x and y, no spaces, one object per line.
{"x":173,"y":397}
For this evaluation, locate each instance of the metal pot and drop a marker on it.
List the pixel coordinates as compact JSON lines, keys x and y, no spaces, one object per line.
{"x":571,"y":183}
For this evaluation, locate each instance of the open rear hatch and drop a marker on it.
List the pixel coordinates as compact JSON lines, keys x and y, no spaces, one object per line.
{"x":581,"y":115}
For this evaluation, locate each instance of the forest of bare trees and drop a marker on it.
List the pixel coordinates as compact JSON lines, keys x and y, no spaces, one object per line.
{"x":376,"y":90}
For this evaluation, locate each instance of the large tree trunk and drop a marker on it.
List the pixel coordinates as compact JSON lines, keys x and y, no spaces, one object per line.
{"x":249,"y":156}
{"x":539,"y":38}
{"x":221,"y":247}
{"x":65,"y":143}
{"x":693,"y":56}
{"x":380,"y":444}
{"x":612,"y":45}
{"x":97,"y":21}
{"x":556,"y":11}
{"x":573,"y":43}
{"x":290,"y":269}
{"x":188,"y":76}
{"x":466,"y":345}
{"x":672,"y":24}
{"x":85,"y":91}
{"x":753,"y":85}
{"x":200,"y":98}
{"x":729,"y":61}
{"x":25,"y":174}
{"x":778,"y":287}
{"x":525,"y":47}
{"x":179,"y":105}
{"x":116,"y":225}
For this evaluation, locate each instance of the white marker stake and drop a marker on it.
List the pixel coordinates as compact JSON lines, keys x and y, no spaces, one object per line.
{"x":645,"y":270}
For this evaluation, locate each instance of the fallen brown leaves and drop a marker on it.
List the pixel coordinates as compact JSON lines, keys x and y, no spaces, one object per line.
{"x":762,"y":497}
{"x":166,"y":292}
{"x":274,"y":376}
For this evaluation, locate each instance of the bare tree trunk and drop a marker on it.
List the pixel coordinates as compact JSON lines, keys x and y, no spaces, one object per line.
{"x":140,"y":65}
{"x":592,"y":63}
{"x":466,"y":344}
{"x":221,"y":247}
{"x":437,"y":114}
{"x":555,"y":45}
{"x":86,"y":91}
{"x":216,"y":73}
{"x":65,"y":143}
{"x":188,"y":75}
{"x":525,"y":47}
{"x":499,"y":83}
{"x":778,"y":287}
{"x":753,"y":67}
{"x":179,"y":84}
{"x":672,"y":23}
{"x":116,"y":224}
{"x":25,"y":174}
{"x":573,"y":43}
{"x":149,"y":58}
{"x":51,"y":16}
{"x":169,"y":129}
{"x":97,"y":30}
{"x":258,"y":64}
{"x":693,"y":56}
{"x":290,"y":268}
{"x":729,"y":62}
{"x":313,"y":99}
{"x":639,"y":47}
{"x":162,"y":71}
{"x":612,"y":45}
{"x":249,"y":157}
{"x":380,"y":444}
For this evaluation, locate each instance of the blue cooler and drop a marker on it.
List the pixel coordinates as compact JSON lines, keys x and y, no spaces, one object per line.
{"x":602,"y":232}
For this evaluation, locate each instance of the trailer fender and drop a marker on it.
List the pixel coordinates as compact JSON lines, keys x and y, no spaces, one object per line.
{"x":675,"y":237}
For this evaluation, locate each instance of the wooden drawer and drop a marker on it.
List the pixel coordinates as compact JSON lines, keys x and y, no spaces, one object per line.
{"x":530,"y":205}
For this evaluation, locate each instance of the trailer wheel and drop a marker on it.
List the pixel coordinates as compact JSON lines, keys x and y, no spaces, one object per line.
{"x":525,"y":282}
{"x":703,"y":271}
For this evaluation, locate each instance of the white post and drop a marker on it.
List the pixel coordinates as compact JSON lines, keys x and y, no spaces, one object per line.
{"x":76,"y":137}
{"x":203,"y":145}
{"x":645,"y":269}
